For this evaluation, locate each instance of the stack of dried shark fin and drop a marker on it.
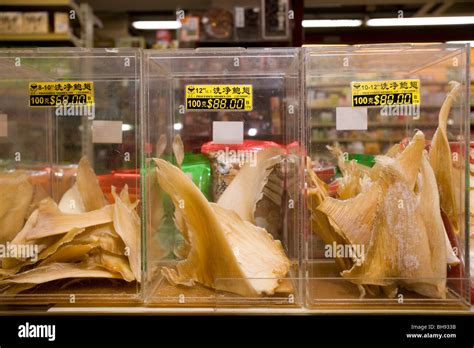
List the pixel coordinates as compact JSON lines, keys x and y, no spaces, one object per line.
{"x":394,"y":210}
{"x":222,"y":241}
{"x":81,"y":237}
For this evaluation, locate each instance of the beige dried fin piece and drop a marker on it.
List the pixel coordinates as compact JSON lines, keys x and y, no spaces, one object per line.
{"x":51,"y":221}
{"x":155,"y":200}
{"x":155,"y":196}
{"x":55,"y":271}
{"x":353,"y":174}
{"x":246,"y":189}
{"x":102,"y":236}
{"x":14,"y":289}
{"x":161,"y":145}
{"x":178,"y":150}
{"x":322,"y":226}
{"x":355,"y":216}
{"x":69,"y":253}
{"x":20,"y":238}
{"x":341,"y":158}
{"x":404,"y":250}
{"x":410,"y":158}
{"x":429,"y":208}
{"x":71,"y":202}
{"x":393,"y":152}
{"x":67,"y":238}
{"x":16,"y":194}
{"x":125,"y":197}
{"x":127,"y":225}
{"x":114,"y":263}
{"x":349,"y":185}
{"x":183,"y":249}
{"x":440,"y":159}
{"x":39,"y":193}
{"x":223,"y":246}
{"x":88,"y":186}
{"x":315,"y":182}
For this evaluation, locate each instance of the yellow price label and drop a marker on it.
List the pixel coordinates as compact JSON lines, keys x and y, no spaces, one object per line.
{"x":219,"y":97}
{"x":388,"y":92}
{"x":61,"y":93}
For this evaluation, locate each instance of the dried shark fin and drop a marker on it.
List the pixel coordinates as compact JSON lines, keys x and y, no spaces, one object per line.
{"x":8,"y":263}
{"x":353,"y":175}
{"x":114,"y":263}
{"x":248,"y":184}
{"x":103,"y":237}
{"x":69,"y":253}
{"x":410,"y":158}
{"x":440,"y":159}
{"x":71,"y":202}
{"x":161,"y":145}
{"x":178,"y":150}
{"x":16,"y":194}
{"x":355,"y":216}
{"x":88,"y":186}
{"x":127,"y":225}
{"x":405,"y":250}
{"x":223,"y":246}
{"x":67,"y":238}
{"x":55,"y":271}
{"x":51,"y":221}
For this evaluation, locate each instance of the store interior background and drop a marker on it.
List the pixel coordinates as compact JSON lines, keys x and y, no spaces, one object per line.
{"x":106,"y":23}
{"x":164,"y":24}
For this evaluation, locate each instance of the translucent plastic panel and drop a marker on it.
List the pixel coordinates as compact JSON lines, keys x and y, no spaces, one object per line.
{"x":386,"y":197}
{"x":237,"y":113}
{"x":62,"y":157}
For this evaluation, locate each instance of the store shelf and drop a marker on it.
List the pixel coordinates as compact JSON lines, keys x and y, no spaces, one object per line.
{"x":381,"y":125}
{"x":36,"y":3}
{"x":364,"y":140}
{"x":85,"y":22}
{"x":139,"y":310}
{"x":49,"y":37}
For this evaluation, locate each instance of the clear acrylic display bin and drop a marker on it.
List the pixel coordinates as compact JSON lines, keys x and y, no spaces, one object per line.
{"x":70,"y":180}
{"x":387,"y":203}
{"x":226,"y":232}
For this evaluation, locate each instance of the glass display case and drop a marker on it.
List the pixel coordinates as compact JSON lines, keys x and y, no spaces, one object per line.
{"x":387,"y":176}
{"x":70,"y":228}
{"x":223,"y":174}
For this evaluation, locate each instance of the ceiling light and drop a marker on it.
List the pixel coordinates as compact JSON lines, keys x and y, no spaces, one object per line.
{"x":155,"y":25}
{"x":331,"y":23}
{"x":415,"y":21}
{"x":252,"y":132}
{"x":126,"y":127}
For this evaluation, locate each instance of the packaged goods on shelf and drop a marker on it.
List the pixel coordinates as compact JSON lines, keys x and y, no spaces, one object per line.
{"x":10,"y":22}
{"x":391,"y":231}
{"x":234,"y":241}
{"x":69,"y":176}
{"x":61,"y":22}
{"x":35,"y":23}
